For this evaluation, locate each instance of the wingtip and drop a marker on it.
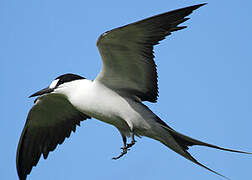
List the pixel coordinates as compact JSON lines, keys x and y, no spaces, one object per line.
{"x":198,"y":6}
{"x":202,"y":4}
{"x":22,"y":177}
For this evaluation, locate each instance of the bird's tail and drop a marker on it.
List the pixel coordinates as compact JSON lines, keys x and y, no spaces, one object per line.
{"x":180,"y":144}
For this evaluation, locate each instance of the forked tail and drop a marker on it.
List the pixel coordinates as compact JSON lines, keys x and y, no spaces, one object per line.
{"x":180,"y":144}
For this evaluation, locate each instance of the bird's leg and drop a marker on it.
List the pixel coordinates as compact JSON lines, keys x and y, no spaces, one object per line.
{"x":133,"y":141}
{"x":126,"y":146}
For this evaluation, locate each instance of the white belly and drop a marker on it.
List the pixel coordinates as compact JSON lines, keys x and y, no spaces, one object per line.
{"x":96,"y":100}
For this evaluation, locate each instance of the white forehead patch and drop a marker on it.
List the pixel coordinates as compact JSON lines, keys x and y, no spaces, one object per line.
{"x":54,"y":83}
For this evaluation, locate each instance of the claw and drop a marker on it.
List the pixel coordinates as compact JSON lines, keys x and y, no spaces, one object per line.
{"x":133,"y":141}
{"x":126,"y":147}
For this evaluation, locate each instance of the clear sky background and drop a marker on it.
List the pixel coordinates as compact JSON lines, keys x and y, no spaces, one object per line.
{"x":204,"y":83}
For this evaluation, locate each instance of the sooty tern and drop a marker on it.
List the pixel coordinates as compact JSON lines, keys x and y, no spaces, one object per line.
{"x":128,"y":77}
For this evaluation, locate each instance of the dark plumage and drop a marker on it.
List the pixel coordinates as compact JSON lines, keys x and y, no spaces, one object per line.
{"x":40,"y":136}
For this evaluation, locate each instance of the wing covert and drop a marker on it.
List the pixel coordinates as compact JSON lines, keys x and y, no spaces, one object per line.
{"x":127,"y":53}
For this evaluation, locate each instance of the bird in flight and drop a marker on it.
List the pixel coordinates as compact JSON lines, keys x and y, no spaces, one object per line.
{"x":128,"y":78}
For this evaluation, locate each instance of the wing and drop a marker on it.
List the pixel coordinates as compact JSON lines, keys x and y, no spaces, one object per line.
{"x":49,"y":122}
{"x":127,"y":53}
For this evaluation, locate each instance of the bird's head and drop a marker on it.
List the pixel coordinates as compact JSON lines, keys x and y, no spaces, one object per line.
{"x":57,"y":82}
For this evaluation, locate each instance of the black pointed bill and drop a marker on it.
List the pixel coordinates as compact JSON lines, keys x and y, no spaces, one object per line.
{"x":41,"y":92}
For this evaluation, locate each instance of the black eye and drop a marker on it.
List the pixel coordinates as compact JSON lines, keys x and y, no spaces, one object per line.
{"x":67,"y":78}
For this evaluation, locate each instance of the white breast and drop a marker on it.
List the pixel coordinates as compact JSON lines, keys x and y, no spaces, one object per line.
{"x":96,"y":100}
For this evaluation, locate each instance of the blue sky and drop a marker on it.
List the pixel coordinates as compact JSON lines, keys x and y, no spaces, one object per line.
{"x":204,"y":80}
